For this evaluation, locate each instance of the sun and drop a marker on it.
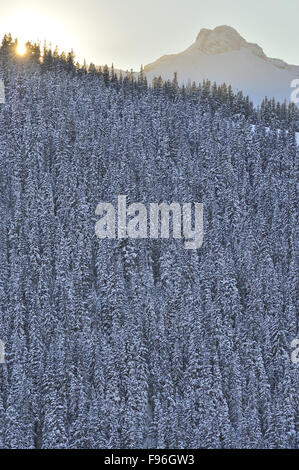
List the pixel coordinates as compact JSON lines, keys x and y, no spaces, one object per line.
{"x":21,"y":49}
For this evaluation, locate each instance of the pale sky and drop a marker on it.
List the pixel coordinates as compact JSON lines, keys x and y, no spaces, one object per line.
{"x":134,"y":32}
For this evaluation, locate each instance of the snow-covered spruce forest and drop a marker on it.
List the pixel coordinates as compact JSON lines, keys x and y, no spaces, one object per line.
{"x":142,"y":343}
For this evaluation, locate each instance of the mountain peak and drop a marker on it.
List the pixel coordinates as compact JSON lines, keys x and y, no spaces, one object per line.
{"x":222,"y":55}
{"x":219,"y":32}
{"x":224,"y":39}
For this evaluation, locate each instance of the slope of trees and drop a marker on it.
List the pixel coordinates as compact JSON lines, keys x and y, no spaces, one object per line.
{"x":141,"y":343}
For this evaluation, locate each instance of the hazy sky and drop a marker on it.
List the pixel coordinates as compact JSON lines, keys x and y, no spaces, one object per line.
{"x":134,"y":32}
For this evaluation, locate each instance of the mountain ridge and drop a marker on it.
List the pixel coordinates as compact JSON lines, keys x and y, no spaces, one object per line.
{"x":223,"y":55}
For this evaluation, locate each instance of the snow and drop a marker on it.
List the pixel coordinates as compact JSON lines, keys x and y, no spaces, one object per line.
{"x":222,"y":55}
{"x":253,"y":127}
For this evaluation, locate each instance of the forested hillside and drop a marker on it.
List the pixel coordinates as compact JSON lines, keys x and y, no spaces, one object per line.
{"x":142,"y":343}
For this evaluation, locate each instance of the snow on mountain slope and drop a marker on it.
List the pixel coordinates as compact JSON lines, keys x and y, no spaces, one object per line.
{"x":222,"y":55}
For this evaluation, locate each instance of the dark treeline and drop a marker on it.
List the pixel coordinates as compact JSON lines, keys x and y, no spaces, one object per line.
{"x":142,"y":343}
{"x":270,"y":113}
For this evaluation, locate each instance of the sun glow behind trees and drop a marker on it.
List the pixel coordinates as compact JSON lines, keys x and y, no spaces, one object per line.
{"x":21,"y":49}
{"x":36,"y":26}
